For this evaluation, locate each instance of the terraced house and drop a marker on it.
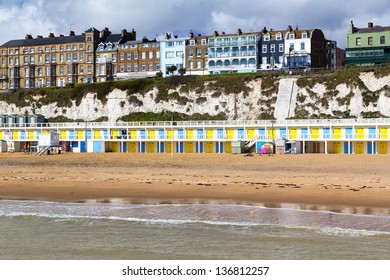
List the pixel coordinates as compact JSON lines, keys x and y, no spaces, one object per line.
{"x":107,"y":53}
{"x":234,"y":53}
{"x":50,"y":61}
{"x":197,"y":55}
{"x":138,"y":59}
{"x":367,"y":46}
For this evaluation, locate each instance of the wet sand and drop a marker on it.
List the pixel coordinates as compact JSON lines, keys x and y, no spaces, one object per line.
{"x":315,"y":179}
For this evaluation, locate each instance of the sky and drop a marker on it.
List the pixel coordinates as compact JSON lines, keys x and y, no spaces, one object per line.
{"x":153,"y":18}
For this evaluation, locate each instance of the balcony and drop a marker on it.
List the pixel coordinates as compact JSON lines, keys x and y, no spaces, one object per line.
{"x":104,"y":60}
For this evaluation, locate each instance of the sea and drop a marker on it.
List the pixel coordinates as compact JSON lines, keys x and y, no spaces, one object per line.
{"x":166,"y":230}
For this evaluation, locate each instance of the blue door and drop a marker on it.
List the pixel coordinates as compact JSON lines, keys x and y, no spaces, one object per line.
{"x":371,"y":148}
{"x":161,"y":134}
{"x":161,"y":147}
{"x":199,"y":147}
{"x":83,"y":147}
{"x":220,"y":133}
{"x":179,"y":147}
{"x":219,"y":147}
{"x":326,"y":132}
{"x":98,"y":147}
{"x":304,"y":133}
{"x":348,"y":133}
{"x":262,"y":133}
{"x":142,"y":147}
{"x":240,"y":133}
{"x":371,"y":132}
{"x":347,"y":150}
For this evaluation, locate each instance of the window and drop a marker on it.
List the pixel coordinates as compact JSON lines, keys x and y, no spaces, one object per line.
{"x":158,"y":67}
{"x":53,"y":49}
{"x":382,"y":40}
{"x":190,"y":53}
{"x":143,"y":67}
{"x":272,"y":48}
{"x":169,"y":54}
{"x":179,"y":54}
{"x":81,"y":47}
{"x":26,"y":60}
{"x":157,"y":54}
{"x":150,"y":67}
{"x":264,"y":60}
{"x":128,"y":67}
{"x":204,"y":42}
{"x":291,"y":36}
{"x":32,"y":59}
{"x":133,"y":46}
{"x":61,"y":70}
{"x":267,"y":37}
{"x":53,"y":58}
{"x":291,"y":48}
{"x":61,"y":57}
{"x":279,"y":36}
{"x":121,"y":68}
{"x":281,"y":48}
{"x":146,"y":45}
{"x":192,"y":42}
{"x":89,"y":69}
{"x":47,"y":49}
{"x":143,"y":55}
{"x":47,"y":58}
{"x":304,"y":35}
{"x":61,"y":48}
{"x":198,"y":52}
{"x":135,"y":67}
{"x":32,"y":50}
{"x":264,"y":48}
{"x":179,"y":43}
{"x":122,"y":56}
{"x":370,"y":41}
{"x":89,"y":59}
{"x":358,"y":41}
{"x":68,"y":47}
{"x":135,"y":55}
{"x":68,"y":57}
{"x":81,"y":56}
{"x":150,"y":55}
{"x":198,"y":64}
{"x":302,"y":46}
{"x":81,"y":69}
{"x":155,"y":44}
{"x":170,"y":44}
{"x":74,"y":56}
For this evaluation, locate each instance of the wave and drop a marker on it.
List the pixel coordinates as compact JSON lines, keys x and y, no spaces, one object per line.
{"x":321,"y":221}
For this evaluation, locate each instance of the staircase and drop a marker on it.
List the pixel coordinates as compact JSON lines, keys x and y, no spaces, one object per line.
{"x":42,"y":150}
{"x":286,"y":94}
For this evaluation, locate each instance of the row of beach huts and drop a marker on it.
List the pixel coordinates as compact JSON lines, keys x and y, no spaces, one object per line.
{"x":337,"y":136}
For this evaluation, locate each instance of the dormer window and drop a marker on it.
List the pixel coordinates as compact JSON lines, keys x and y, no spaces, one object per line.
{"x":267,"y":37}
{"x":101,"y":47}
{"x":109,"y":46}
{"x":304,"y":35}
{"x":192,"y":42}
{"x":279,"y":36}
{"x":291,"y":36}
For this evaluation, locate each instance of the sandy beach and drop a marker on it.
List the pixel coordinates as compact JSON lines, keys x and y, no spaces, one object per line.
{"x":315,"y":179}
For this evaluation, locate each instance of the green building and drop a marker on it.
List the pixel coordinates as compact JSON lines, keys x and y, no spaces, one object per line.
{"x":367,"y":46}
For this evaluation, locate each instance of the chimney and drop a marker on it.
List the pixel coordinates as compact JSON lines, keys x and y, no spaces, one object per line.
{"x":167,"y":36}
{"x":28,"y":36}
{"x":175,"y":36}
{"x":124,"y":33}
{"x":71,"y":33}
{"x":370,"y":25}
{"x":265,"y":31}
{"x":199,"y":35}
{"x":145,"y":39}
{"x":105,"y":33}
{"x":216,"y":33}
{"x":191,"y":34}
{"x":51,"y":35}
{"x":289,"y":28}
{"x":133,"y":35}
{"x":39,"y":36}
{"x":239,"y":31}
{"x":223,"y":32}
{"x":62,"y":35}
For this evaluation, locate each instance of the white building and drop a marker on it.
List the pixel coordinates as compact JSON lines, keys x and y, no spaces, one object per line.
{"x":234,"y":52}
{"x":172,"y":52}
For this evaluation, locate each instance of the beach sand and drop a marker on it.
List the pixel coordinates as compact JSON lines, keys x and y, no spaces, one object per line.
{"x":315,"y":179}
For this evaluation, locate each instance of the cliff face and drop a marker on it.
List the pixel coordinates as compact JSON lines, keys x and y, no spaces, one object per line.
{"x":365,"y":94}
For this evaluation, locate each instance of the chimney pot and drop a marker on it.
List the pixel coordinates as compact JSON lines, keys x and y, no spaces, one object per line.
{"x":370,"y":25}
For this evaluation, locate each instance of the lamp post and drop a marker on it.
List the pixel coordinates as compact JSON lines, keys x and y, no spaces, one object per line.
{"x":273,"y":136}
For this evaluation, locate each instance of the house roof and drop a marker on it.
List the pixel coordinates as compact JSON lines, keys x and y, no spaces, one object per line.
{"x":45,"y":41}
{"x":373,"y":29}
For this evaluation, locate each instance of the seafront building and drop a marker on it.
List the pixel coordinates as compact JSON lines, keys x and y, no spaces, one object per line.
{"x":367,"y":46}
{"x":98,"y":56}
{"x":234,"y":53}
{"x":338,"y":136}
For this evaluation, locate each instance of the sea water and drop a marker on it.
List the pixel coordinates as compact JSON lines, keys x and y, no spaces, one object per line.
{"x":125,"y":230}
